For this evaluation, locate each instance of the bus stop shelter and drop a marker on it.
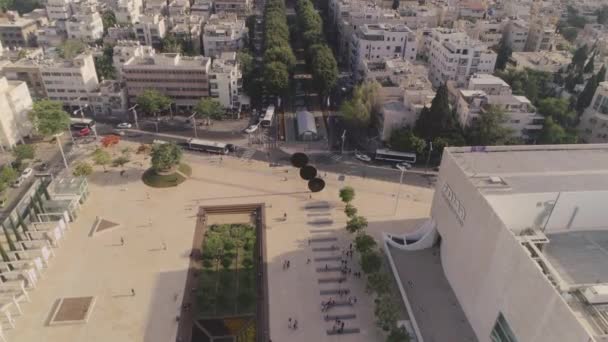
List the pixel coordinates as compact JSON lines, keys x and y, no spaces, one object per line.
{"x":307,"y":127}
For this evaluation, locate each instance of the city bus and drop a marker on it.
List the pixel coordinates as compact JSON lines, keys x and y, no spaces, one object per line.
{"x":207,"y":146}
{"x":268,"y":117}
{"x":384,"y":154}
{"x":80,"y":123}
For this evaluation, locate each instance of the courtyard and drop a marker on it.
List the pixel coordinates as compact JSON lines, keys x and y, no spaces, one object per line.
{"x":136,"y":272}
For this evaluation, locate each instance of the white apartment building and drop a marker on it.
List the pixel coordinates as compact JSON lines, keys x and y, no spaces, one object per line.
{"x":16,"y":31}
{"x":179,"y":8}
{"x":379,"y":42}
{"x":472,"y":9}
{"x":184,"y":79}
{"x":153,"y":7}
{"x":548,"y":61}
{"x":489,"y":84}
{"x":59,"y":9}
{"x":126,"y":50}
{"x":110,"y":100}
{"x":489,"y":32}
{"x":69,"y":81}
{"x":85,"y":25}
{"x":417,"y":16}
{"x":202,"y":8}
{"x":522,"y":240}
{"x":593,"y":126}
{"x":128,"y":11}
{"x":15,"y":105}
{"x":223,"y":33}
{"x":405,"y":90}
{"x":51,"y":35}
{"x":151,"y":29}
{"x":454,"y":56}
{"x":189,"y":28}
{"x":225,"y":80}
{"x":541,"y":35}
{"x":242,"y":8}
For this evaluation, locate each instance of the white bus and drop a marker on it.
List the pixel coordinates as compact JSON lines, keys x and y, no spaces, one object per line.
{"x":207,"y":146}
{"x":394,"y":156}
{"x":80,"y":123}
{"x":268,"y":117}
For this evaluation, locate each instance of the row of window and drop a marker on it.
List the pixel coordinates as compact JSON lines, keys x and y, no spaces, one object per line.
{"x":171,"y":72}
{"x":52,"y":90}
{"x":159,"y":80}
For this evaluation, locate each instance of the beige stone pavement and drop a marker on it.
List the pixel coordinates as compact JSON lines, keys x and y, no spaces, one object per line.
{"x":100,"y":266}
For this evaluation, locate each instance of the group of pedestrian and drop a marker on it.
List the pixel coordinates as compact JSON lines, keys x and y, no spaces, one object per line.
{"x":352,"y":300}
{"x":286,"y":264}
{"x":292,"y":323}
{"x":343,"y":292}
{"x":338,"y":326}
{"x":327,"y":305}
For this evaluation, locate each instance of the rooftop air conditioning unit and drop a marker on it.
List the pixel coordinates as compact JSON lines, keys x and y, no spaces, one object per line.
{"x":597,"y":294}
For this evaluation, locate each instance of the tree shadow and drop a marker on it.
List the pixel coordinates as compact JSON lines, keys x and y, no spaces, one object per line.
{"x":116,"y":176}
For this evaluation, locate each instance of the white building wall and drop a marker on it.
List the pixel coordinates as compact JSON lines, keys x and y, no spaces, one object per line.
{"x":15,"y":105}
{"x":491,"y":273}
{"x":87,"y":27}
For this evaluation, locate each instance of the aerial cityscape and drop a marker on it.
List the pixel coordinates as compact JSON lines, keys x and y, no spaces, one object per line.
{"x":303,"y":170}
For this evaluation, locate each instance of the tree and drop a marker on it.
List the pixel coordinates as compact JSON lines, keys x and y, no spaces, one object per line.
{"x":404,"y":140}
{"x":364,"y":243}
{"x":102,"y":157}
{"x":226,"y":260}
{"x":170,"y":44}
{"x":356,"y":224}
{"x":437,"y":120}
{"x":165,"y":156}
{"x":489,"y":129}
{"x":120,"y":161}
{"x":553,"y":133}
{"x":151,"y":101}
{"x":379,"y":282}
{"x":24,"y":151}
{"x":579,"y":58}
{"x":371,"y":262}
{"x":21,"y":6}
{"x":395,"y":4}
{"x":276,"y":77}
{"x":49,"y":118}
{"x":602,"y":15}
{"x":504,"y":53}
{"x":590,"y":65}
{"x":324,"y":68}
{"x":347,"y":194}
{"x":350,"y":210}
{"x":558,"y":109}
{"x":358,"y":111}
{"x":7,"y":176}
{"x":386,"y":312}
{"x":585,"y":97}
{"x":569,"y":33}
{"x":104,"y":64}
{"x":601,"y":75}
{"x":82,"y":169}
{"x":109,"y":19}
{"x":281,"y":54}
{"x":398,"y":335}
{"x":209,"y":109}
{"x":71,"y":48}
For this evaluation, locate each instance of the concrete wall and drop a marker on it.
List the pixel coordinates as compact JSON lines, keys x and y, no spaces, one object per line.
{"x":490,"y":272}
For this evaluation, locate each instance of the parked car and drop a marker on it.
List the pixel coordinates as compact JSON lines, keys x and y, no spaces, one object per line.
{"x":84,"y":132}
{"x":362,"y":157}
{"x":27,"y":173}
{"x":124,"y":125}
{"x":18,"y":182}
{"x":403,"y":166}
{"x":251,"y":129}
{"x":231,"y":147}
{"x":43,"y":167}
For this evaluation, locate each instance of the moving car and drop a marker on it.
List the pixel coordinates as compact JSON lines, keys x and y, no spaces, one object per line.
{"x":403,"y":166}
{"x":17,"y":183}
{"x":251,"y":129}
{"x":362,"y":157}
{"x":27,"y":173}
{"x":124,"y":125}
{"x":84,"y":132}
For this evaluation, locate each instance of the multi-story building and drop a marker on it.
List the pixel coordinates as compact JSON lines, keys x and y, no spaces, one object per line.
{"x":153,"y":7}
{"x":150,"y":29}
{"x":472,"y":9}
{"x":595,"y":35}
{"x":547,"y":61}
{"x":520,"y":236}
{"x":417,"y":16}
{"x":405,"y":90}
{"x":115,"y":34}
{"x":189,"y":29}
{"x":223,"y":33}
{"x":225,"y":80}
{"x":179,"y":8}
{"x":184,"y":79}
{"x":28,"y":71}
{"x":241,"y":8}
{"x":85,"y":25}
{"x":51,"y":35}
{"x":454,"y":56}
{"x":489,"y":84}
{"x":16,"y":31}
{"x":59,"y":9}
{"x":516,"y":34}
{"x":110,"y":100}
{"x":127,"y":50}
{"x":489,"y":32}
{"x":202,"y":8}
{"x":15,"y":105}
{"x":593,"y":126}
{"x":128,"y":11}
{"x":69,"y":80}
{"x":379,"y":42}
{"x":541,"y":36}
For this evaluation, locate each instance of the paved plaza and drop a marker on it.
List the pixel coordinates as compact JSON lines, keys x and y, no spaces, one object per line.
{"x":136,"y":271}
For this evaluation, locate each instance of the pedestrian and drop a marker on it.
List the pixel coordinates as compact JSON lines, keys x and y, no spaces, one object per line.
{"x":295,"y":324}
{"x":342,"y":326}
{"x":326,"y":267}
{"x":350,"y":247}
{"x":122,"y":241}
{"x":289,"y":323}
{"x":309,"y":242}
{"x":308,"y":261}
{"x":354,"y":300}
{"x":133,"y":292}
{"x":288,"y":263}
{"x":285,"y":216}
{"x":164,"y":246}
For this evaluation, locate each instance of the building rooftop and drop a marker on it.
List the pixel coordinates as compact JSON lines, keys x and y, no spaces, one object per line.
{"x":164,"y":60}
{"x":486,"y":79}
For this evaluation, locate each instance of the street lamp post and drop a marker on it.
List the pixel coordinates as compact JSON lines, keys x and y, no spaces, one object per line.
{"x":193,"y":118}
{"x":343,"y":139}
{"x":398,"y":192}
{"x":135,"y":116}
{"x":428,"y":157}
{"x":65,"y":161}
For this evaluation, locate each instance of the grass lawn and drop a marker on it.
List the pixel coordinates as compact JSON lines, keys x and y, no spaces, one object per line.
{"x":151,"y":178}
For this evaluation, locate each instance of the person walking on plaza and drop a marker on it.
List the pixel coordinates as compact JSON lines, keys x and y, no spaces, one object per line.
{"x":289,"y":323}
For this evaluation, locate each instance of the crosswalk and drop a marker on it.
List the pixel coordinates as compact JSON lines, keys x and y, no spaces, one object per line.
{"x":248,"y":154}
{"x":335,"y":157}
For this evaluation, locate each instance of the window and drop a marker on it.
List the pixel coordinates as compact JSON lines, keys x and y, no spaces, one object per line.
{"x":502,"y":331}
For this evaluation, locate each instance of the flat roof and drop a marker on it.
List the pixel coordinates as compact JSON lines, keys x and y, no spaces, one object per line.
{"x":536,"y":168}
{"x":579,"y":257}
